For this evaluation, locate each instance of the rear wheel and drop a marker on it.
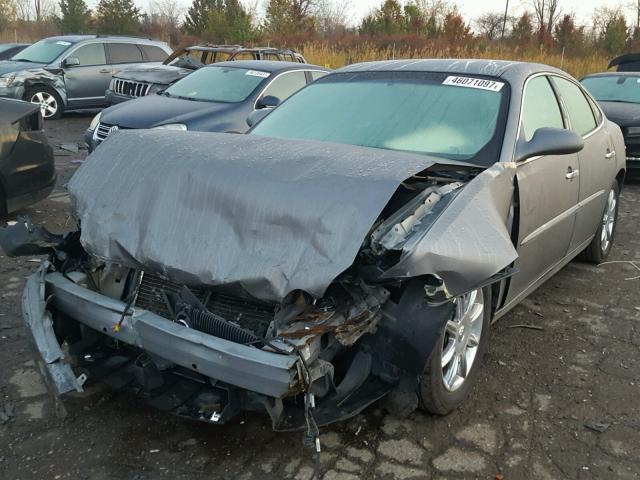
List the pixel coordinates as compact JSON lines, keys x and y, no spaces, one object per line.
{"x":50,"y":103}
{"x":453,"y":366}
{"x":600,"y":247}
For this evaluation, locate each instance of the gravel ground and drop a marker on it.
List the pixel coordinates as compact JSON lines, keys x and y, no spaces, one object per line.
{"x":556,"y":402}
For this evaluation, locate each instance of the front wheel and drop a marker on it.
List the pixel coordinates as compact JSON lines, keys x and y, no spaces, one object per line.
{"x":600,"y":247}
{"x":453,"y":365}
{"x":49,"y":101}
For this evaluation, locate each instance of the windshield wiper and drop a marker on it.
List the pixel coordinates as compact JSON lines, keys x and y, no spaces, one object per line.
{"x":22,"y":60}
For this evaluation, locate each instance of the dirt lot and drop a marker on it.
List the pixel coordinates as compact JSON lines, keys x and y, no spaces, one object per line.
{"x":556,"y":402}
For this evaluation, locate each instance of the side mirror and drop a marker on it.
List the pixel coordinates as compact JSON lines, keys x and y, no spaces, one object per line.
{"x":268,"y":101}
{"x":72,"y":62}
{"x":257,"y":115}
{"x":549,"y":141}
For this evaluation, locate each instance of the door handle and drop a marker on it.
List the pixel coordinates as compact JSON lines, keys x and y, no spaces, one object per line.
{"x":610,"y":154}
{"x":105,"y":70}
{"x":571,"y":173}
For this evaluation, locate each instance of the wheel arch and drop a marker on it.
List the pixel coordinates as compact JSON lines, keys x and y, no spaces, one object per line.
{"x":29,"y":85}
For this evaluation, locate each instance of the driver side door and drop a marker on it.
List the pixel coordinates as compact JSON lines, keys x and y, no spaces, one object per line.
{"x":87,"y":82}
{"x":548,"y":189}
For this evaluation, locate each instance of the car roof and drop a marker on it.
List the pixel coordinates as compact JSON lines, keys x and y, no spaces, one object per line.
{"x":266,"y":65}
{"x":82,"y":38}
{"x":512,"y":71}
{"x":14,"y":44}
{"x":239,"y":48}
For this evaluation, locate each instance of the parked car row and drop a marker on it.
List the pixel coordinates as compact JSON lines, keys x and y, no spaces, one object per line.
{"x":92,"y":71}
{"x":142,"y":81}
{"x":356,"y":243}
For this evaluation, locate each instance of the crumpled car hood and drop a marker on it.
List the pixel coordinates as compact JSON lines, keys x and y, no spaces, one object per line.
{"x":9,"y":66}
{"x":158,"y":74}
{"x":268,"y":215}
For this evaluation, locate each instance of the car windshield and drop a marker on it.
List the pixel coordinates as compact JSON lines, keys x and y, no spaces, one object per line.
{"x":218,"y":84}
{"x":44,"y":51}
{"x":429,"y":113}
{"x":614,"y":88}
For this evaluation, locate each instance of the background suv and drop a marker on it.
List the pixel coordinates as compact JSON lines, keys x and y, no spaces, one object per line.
{"x":73,"y":71}
{"x":144,"y":80}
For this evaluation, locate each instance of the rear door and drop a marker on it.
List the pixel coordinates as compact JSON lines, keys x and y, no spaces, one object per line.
{"x":597,"y":159}
{"x":548,"y":193}
{"x":123,"y":55}
{"x":86,"y":83}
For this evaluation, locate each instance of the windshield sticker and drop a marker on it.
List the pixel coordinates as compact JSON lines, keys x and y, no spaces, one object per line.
{"x":256,"y":73}
{"x":62,"y":42}
{"x":480,"y":83}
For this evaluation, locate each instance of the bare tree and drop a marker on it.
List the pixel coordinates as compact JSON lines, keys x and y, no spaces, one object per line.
{"x":332,"y":15}
{"x":547,"y":13}
{"x":490,"y":24}
{"x":166,"y":13}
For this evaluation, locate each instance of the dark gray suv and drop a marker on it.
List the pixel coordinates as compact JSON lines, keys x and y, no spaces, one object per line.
{"x":73,"y":71}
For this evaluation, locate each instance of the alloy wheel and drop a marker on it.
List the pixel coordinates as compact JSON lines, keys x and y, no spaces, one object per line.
{"x":48,"y":103}
{"x":461,"y":339}
{"x":608,"y":222}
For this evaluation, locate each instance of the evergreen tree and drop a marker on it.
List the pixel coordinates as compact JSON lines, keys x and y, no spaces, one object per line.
{"x":74,"y":16}
{"x":197,"y":18}
{"x":228,"y":22}
{"x":117,"y":17}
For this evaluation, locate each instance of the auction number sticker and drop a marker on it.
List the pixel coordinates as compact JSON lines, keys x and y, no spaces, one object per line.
{"x":257,"y":73}
{"x":469,"y":82}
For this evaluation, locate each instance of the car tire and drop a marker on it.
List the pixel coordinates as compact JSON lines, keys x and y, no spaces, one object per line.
{"x":443,"y":387}
{"x":51,"y":105}
{"x":600,"y":247}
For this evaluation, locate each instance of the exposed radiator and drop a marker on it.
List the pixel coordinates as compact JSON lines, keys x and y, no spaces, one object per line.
{"x":250,"y":314}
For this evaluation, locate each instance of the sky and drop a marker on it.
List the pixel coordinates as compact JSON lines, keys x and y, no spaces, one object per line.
{"x":471,"y":9}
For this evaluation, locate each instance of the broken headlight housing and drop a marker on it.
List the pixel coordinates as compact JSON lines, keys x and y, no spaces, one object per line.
{"x":7,"y":80}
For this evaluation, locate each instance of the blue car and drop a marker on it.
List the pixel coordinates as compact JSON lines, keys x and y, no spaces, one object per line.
{"x":215,"y":98}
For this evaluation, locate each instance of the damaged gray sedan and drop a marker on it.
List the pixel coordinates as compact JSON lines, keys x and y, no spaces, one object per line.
{"x":356,"y":244}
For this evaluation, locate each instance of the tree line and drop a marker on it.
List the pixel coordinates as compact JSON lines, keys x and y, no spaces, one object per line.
{"x":543,"y":25}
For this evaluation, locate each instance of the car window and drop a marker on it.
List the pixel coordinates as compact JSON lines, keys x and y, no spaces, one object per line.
{"x":423,"y":112}
{"x":44,"y":51}
{"x":285,"y":85}
{"x":153,"y":53}
{"x":90,"y":54}
{"x":316,"y":74}
{"x":124,"y":53}
{"x":614,"y":88}
{"x":272,"y":56}
{"x":578,"y":109}
{"x":539,"y":107}
{"x":244,"y":56}
{"x":218,"y":84}
{"x":596,"y":110}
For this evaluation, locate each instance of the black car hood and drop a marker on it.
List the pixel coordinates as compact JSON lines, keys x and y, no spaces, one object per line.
{"x":267,"y":216}
{"x":158,"y":74}
{"x":622,"y":113}
{"x":153,"y":110}
{"x":9,"y":66}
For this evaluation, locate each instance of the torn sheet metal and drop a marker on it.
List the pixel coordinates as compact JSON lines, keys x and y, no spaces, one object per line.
{"x":469,"y":242}
{"x":269,"y":215}
{"x":25,"y":238}
{"x":51,"y":360}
